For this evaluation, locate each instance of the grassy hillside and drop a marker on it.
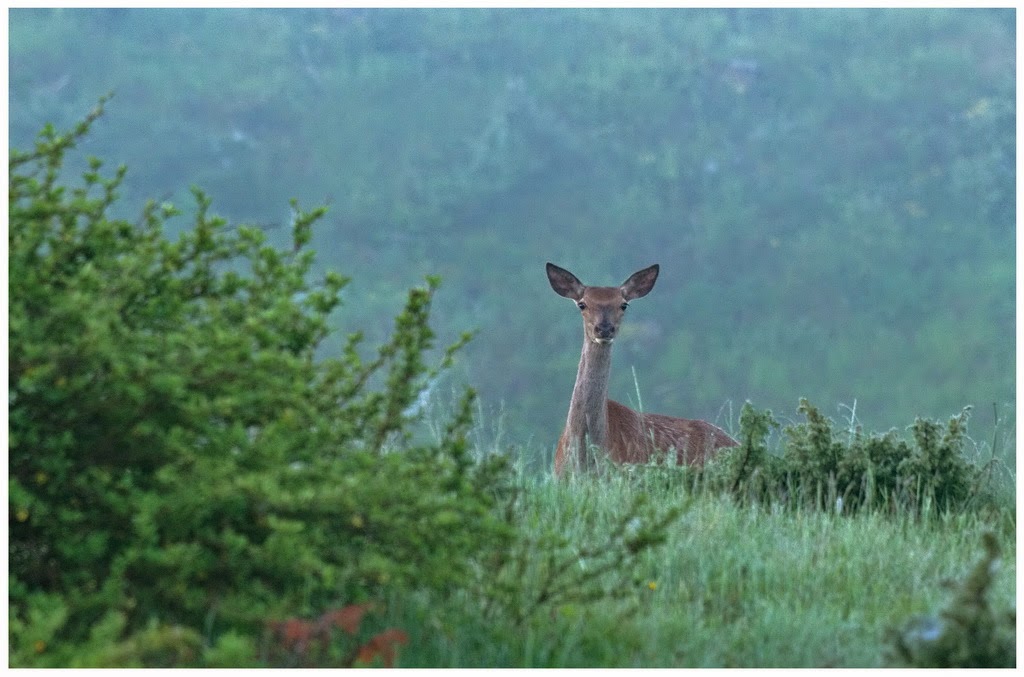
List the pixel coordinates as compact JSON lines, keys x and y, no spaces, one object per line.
{"x":731,"y":586}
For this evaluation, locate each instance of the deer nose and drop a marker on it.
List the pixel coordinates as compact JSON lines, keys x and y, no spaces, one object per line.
{"x":604,"y":330}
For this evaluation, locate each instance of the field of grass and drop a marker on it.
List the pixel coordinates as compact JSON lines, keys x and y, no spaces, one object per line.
{"x":752,"y":586}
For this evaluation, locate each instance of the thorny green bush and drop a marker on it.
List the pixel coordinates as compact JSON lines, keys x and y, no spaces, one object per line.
{"x":821,"y":468}
{"x":183,"y":469}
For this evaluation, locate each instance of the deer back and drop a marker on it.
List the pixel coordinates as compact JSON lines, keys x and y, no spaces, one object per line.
{"x":637,"y":438}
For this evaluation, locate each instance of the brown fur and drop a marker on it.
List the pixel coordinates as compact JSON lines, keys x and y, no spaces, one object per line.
{"x":639,"y":438}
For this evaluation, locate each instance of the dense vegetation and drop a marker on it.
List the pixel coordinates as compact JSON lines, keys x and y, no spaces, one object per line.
{"x":830,"y":192}
{"x":192,"y":485}
{"x":209,"y":465}
{"x":179,"y":456}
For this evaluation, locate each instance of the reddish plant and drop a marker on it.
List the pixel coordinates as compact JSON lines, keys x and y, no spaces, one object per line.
{"x":307,"y":643}
{"x":383,"y":645}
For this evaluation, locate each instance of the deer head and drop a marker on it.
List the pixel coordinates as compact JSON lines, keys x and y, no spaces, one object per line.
{"x":602,"y":307}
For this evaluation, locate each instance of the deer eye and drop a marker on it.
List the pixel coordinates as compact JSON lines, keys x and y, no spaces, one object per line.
{"x":581,"y":305}
{"x":624,"y":306}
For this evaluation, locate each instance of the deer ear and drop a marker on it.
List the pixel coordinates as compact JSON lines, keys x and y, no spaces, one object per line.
{"x":565,"y":283}
{"x":640,"y":283}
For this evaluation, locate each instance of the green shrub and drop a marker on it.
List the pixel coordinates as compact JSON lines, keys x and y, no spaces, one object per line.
{"x":821,"y":468}
{"x":183,"y":468}
{"x":749,"y":471}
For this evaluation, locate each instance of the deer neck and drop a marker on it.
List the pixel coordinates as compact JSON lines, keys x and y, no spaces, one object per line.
{"x":587,"y":424}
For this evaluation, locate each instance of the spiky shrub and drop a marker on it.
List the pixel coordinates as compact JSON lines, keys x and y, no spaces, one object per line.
{"x":182,"y":468}
{"x":823,"y":468}
{"x":876,"y":470}
{"x":749,"y":472}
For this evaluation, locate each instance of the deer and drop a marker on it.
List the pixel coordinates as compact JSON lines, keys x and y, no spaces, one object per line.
{"x":598,"y":425}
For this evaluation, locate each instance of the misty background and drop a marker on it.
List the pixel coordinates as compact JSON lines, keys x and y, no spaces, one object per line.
{"x":830,"y":193}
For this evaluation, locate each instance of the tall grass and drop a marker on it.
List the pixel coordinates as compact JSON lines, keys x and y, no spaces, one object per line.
{"x":732,"y":585}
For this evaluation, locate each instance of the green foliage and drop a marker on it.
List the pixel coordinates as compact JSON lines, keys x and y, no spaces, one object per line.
{"x":182,"y":467}
{"x":732,"y":584}
{"x":830,"y":192}
{"x":968,"y":633}
{"x":748,"y":471}
{"x":552,"y":569}
{"x":182,"y":470}
{"x":823,"y":469}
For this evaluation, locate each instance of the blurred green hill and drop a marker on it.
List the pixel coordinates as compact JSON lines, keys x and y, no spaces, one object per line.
{"x":830,"y":193}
